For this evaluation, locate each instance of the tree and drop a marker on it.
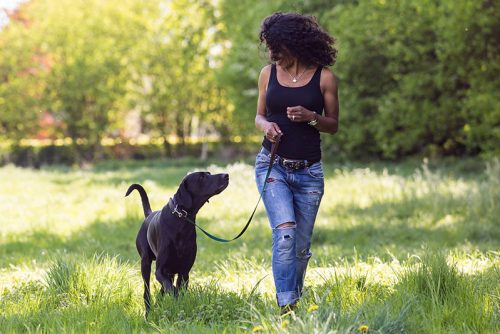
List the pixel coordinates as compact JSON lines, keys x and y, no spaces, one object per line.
{"x":243,"y":58}
{"x":422,"y":81}
{"x":175,"y":84}
{"x":20,"y":68}
{"x":88,"y":42}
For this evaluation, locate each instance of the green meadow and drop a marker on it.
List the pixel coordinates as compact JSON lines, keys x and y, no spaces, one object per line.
{"x":411,"y":247}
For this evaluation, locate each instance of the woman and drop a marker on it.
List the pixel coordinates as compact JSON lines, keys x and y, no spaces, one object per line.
{"x":297,"y":100}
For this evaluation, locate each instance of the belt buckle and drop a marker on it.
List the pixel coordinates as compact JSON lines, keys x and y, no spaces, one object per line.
{"x":294,"y":164}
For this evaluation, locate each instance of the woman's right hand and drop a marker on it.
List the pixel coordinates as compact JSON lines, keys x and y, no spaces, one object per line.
{"x":272,"y":132}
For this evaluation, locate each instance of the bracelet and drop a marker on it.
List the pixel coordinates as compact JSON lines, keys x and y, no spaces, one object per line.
{"x":314,"y":121}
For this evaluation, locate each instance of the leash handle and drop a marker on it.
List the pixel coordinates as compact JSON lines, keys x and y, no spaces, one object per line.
{"x":274,"y":148}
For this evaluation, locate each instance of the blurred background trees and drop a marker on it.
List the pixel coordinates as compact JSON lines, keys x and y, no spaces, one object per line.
{"x":415,"y":77}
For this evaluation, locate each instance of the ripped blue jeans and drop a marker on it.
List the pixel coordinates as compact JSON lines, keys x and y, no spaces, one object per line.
{"x":291,"y":196}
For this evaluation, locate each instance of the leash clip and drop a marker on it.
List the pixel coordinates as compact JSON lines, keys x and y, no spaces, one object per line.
{"x":181,"y":214}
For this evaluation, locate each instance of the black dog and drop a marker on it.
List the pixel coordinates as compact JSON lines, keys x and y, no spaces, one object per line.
{"x":167,"y":237}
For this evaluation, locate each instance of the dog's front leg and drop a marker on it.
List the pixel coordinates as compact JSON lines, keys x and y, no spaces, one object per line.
{"x":166,"y":282}
{"x":182,"y":281}
{"x":163,"y":272}
{"x":167,"y":286}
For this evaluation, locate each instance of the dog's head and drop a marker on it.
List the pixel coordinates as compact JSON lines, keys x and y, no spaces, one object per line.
{"x":197,"y":188}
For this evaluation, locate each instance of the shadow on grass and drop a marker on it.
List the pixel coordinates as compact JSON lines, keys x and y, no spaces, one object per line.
{"x":164,"y":177}
{"x":384,"y":227}
{"x":403,"y":227}
{"x":117,"y":238}
{"x":114,"y":238}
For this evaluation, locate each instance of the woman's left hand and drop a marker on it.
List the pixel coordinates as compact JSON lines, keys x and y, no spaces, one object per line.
{"x":300,"y":114}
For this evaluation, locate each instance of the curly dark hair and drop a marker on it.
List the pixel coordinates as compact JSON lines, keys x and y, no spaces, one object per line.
{"x":298,"y":35}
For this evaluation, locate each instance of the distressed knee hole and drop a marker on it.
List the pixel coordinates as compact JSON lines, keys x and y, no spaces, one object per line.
{"x":284,"y":238}
{"x":285,"y":243}
{"x":304,"y":253}
{"x":285,"y":225}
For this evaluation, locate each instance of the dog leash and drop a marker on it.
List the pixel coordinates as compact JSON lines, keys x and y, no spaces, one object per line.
{"x":183,"y":215}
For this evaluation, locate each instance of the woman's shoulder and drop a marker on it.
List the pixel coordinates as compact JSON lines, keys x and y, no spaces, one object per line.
{"x":328,"y":80}
{"x":266,"y":70}
{"x":327,"y":73}
{"x":328,"y":77}
{"x":265,"y":73}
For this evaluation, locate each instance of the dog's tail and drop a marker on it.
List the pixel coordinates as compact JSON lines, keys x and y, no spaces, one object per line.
{"x":144,"y":198}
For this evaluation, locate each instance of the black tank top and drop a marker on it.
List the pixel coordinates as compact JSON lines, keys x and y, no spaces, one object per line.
{"x":299,"y":140}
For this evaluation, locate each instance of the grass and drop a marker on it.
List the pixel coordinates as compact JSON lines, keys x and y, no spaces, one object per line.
{"x":398,"y":248}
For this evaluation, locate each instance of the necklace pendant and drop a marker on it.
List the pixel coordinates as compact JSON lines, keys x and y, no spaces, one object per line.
{"x":294,"y":80}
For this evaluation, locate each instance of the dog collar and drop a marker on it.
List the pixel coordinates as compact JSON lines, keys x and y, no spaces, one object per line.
{"x":176,"y":211}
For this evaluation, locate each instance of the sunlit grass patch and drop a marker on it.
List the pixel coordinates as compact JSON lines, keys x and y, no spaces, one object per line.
{"x":87,"y":294}
{"x":100,"y":290}
{"x":444,"y":297}
{"x":397,"y":250}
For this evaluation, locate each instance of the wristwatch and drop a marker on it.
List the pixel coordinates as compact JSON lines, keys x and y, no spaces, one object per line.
{"x":314,"y":121}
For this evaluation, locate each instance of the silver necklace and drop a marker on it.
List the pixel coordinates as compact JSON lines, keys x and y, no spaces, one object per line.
{"x":295,"y":79}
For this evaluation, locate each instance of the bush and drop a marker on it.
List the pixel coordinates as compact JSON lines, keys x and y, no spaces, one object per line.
{"x":36,"y":156}
{"x":423,"y":81}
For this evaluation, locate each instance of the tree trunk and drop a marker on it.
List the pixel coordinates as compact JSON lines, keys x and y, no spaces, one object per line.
{"x":204,"y":145}
{"x":167,"y":147}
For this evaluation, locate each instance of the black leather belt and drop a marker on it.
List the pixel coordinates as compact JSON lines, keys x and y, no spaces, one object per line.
{"x":291,"y":163}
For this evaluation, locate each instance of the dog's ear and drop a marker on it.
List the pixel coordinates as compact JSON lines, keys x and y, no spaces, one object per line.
{"x":184,"y":198}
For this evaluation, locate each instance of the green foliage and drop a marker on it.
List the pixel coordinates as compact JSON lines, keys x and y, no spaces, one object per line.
{"x":88,"y":42}
{"x":415,"y":77}
{"x":67,"y":155}
{"x":104,"y":58}
{"x":20,"y":86}
{"x":174,"y":83}
{"x":244,"y":58}
{"x":421,"y":82}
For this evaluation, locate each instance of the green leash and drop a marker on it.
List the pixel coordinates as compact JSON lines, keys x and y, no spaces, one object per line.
{"x":183,"y":215}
